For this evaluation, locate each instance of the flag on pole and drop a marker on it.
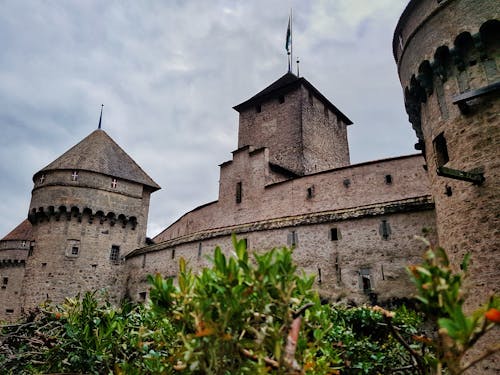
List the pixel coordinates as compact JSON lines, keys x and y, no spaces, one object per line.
{"x":288,"y":35}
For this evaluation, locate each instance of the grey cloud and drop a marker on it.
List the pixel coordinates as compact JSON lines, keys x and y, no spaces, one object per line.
{"x":169,"y":73}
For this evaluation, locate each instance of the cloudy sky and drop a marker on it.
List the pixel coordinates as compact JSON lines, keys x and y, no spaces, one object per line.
{"x":169,"y":73}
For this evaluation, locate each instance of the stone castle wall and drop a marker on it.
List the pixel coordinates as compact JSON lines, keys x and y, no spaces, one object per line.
{"x":11,"y":281}
{"x":337,"y":263}
{"x":343,"y":188}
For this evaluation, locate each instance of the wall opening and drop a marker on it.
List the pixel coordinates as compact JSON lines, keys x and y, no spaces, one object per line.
{"x":440,"y":150}
{"x":385,"y":230}
{"x":388,"y":179}
{"x":292,"y":239}
{"x":239,"y":192}
{"x":334,"y":234}
{"x":365,"y":280}
{"x":114,"y":255}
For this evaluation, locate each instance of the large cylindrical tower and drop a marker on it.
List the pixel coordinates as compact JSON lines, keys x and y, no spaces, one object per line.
{"x":448,"y":55}
{"x":88,"y":209}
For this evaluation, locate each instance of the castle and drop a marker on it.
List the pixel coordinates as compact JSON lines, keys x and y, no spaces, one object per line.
{"x":290,"y":182}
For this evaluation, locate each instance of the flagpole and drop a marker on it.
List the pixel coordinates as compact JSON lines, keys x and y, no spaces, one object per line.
{"x":291,"y":38}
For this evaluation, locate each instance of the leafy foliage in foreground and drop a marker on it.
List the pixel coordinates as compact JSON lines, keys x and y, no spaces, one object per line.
{"x":240,"y":316}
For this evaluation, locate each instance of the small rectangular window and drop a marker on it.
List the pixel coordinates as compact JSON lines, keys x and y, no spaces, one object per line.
{"x":245,"y":240}
{"x":5,"y":281}
{"x":441,"y":150}
{"x":334,"y":234}
{"x":388,"y":179}
{"x":199,"y":250}
{"x":311,"y":100}
{"x":346,"y":182}
{"x":142,"y":296}
{"x":173,"y":253}
{"x":9,"y":311}
{"x":292,"y":239}
{"x":44,"y":265}
{"x":144,"y":261}
{"x":114,"y":255}
{"x":239,"y":192}
{"x":326,"y":112}
{"x":258,"y":108}
{"x":310,"y":192}
{"x":281,"y":99}
{"x":385,"y":230}
{"x":72,"y":248}
{"x":365,"y":280}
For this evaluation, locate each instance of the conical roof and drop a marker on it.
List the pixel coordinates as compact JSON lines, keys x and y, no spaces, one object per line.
{"x":99,"y":153}
{"x":23,"y":232}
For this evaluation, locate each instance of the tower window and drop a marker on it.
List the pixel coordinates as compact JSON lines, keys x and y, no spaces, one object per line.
{"x":5,"y":281}
{"x":142,"y":296}
{"x":199,"y":250}
{"x":311,"y":100}
{"x":74,"y":176}
{"x":144,"y":261}
{"x":114,"y":183}
{"x":173,"y":253}
{"x":258,"y":108}
{"x":239,"y":192}
{"x":388,"y":179}
{"x":281,"y":99}
{"x":385,"y":230}
{"x":72,"y":248}
{"x":114,"y":255}
{"x":334,"y":234}
{"x":347,"y":182}
{"x":326,"y":112}
{"x":441,"y":150}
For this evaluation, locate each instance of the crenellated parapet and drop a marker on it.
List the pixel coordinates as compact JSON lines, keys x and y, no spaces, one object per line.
{"x":455,"y":62}
{"x":10,"y":263}
{"x":80,"y":214}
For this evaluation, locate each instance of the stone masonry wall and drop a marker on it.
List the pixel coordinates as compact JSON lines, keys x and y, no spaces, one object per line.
{"x":342,"y":188}
{"x":324,"y":136}
{"x":278,"y":127}
{"x":359,"y":248}
{"x":455,"y":50}
{"x":11,"y":278}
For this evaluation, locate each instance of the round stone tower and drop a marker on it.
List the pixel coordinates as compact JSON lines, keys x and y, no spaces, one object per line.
{"x":448,"y":55}
{"x":89,"y":208}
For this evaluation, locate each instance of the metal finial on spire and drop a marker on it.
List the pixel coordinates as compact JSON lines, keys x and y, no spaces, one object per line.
{"x":100,"y":117}
{"x":298,"y":71}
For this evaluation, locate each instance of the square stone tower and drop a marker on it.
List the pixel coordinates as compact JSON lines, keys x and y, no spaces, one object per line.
{"x":304,"y":132}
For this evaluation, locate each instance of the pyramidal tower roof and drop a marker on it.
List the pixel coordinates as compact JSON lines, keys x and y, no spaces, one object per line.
{"x":287,"y":83}
{"x":99,"y":153}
